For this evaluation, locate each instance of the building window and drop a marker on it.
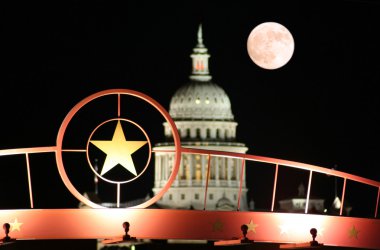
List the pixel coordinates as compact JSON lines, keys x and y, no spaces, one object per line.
{"x":198,"y":133}
{"x":233,"y":169}
{"x":196,"y":196}
{"x":198,"y":168}
{"x":219,"y":134}
{"x":211,"y":196}
{"x":170,"y":197}
{"x":183,"y":168}
{"x":188,"y":176}
{"x":211,"y":167}
{"x":235,"y":197}
{"x":182,"y":196}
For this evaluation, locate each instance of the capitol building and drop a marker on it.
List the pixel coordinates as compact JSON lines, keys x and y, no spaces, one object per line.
{"x":202,"y":113}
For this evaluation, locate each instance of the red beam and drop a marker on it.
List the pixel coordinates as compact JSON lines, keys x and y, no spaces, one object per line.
{"x":191,"y":224}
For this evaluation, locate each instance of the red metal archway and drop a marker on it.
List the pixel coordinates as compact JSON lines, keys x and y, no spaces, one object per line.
{"x":268,"y":226}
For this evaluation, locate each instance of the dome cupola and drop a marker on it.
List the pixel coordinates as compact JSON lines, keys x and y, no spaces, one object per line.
{"x":200,"y":99}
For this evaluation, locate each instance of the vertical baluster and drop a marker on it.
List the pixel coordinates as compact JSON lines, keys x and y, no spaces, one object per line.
{"x":118,"y":195}
{"x":308,"y":192}
{"x":377,"y":202}
{"x":241,"y":182}
{"x":274,"y":188}
{"x":343,"y":194}
{"x":29,"y":181}
{"x":207,"y":178}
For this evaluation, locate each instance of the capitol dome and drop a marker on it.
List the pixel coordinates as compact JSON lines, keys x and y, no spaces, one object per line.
{"x":199,"y":100}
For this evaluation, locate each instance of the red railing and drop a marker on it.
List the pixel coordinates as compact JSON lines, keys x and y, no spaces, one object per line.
{"x":284,"y":163}
{"x":244,"y":157}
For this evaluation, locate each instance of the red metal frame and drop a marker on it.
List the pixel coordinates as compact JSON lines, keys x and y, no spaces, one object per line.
{"x":192,"y":224}
{"x":207,"y":178}
{"x":274,"y":188}
{"x":186,"y":224}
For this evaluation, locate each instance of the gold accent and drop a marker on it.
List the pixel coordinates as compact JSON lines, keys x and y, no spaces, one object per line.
{"x":217,"y":226}
{"x":284,"y":229}
{"x":353,"y":232}
{"x":15,"y":226}
{"x":251,"y":226}
{"x":119,"y":151}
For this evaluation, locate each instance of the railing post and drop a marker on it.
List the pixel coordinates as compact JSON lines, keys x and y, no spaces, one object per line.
{"x":29,"y":181}
{"x":118,"y":195}
{"x":343,"y":194}
{"x":308,"y":192}
{"x":377,"y":202}
{"x":207,"y":177}
{"x":274,"y":187}
{"x":241,"y":182}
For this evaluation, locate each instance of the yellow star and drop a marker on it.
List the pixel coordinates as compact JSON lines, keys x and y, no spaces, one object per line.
{"x":284,"y":229}
{"x":353,"y":232}
{"x":251,"y":226}
{"x":119,"y":151}
{"x":320,"y":231}
{"x":15,"y":226}
{"x":217,"y":226}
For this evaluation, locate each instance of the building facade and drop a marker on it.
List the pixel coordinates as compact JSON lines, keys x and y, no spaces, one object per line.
{"x":298,"y":204}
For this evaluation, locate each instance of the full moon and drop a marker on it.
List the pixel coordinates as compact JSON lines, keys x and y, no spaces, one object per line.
{"x":270,"y":45}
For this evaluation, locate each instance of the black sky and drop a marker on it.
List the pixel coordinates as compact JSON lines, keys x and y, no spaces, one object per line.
{"x":321,"y":108}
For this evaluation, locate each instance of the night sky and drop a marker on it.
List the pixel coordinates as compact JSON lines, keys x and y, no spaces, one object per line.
{"x":321,"y":108}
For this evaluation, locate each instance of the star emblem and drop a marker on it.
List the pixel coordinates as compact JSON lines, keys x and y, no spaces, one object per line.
{"x":119,"y":151}
{"x":320,"y":231}
{"x":15,"y":226}
{"x":353,"y":233}
{"x":251,"y":226}
{"x":284,"y":229}
{"x":217,"y":226}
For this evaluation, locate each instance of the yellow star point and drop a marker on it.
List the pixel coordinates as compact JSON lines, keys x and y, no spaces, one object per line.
{"x":15,"y":226}
{"x":217,"y":226}
{"x":320,"y":231}
{"x":285,"y":229}
{"x":252,"y":226}
{"x":353,"y":232}
{"x":119,"y":151}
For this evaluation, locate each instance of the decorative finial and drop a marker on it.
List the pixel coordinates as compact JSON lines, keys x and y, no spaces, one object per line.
{"x":200,"y":60}
{"x":126,"y":236}
{"x":301,"y":190}
{"x":200,"y":38}
{"x":313,"y":233}
{"x":244,"y":230}
{"x":7,"y":238}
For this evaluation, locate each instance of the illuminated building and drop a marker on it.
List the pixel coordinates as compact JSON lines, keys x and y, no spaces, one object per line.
{"x":202,"y":112}
{"x":298,"y":204}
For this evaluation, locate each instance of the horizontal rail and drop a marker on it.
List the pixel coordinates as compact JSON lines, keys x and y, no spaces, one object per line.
{"x":210,"y":153}
{"x":17,"y":151}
